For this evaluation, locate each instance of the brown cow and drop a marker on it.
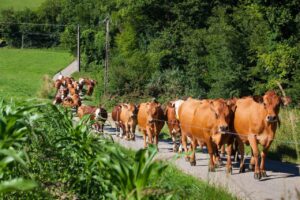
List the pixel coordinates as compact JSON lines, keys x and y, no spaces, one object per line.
{"x":76,"y":100}
{"x":115,"y":114}
{"x":128,"y":118}
{"x":173,"y":123}
{"x":207,"y":121}
{"x":58,"y":84}
{"x":255,"y":121}
{"x":98,"y":114}
{"x":150,"y":121}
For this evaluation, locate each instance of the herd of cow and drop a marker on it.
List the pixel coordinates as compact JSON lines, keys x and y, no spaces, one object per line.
{"x":250,"y":120}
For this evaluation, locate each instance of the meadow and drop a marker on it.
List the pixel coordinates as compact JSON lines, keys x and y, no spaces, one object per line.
{"x":22,"y":71}
{"x":20,"y":4}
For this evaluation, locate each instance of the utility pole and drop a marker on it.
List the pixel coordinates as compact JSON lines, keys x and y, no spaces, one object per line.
{"x":106,"y":55}
{"x":78,"y":46}
{"x":22,"y":45}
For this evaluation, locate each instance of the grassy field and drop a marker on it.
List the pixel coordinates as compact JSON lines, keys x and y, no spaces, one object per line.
{"x":22,"y":71}
{"x":20,"y":4}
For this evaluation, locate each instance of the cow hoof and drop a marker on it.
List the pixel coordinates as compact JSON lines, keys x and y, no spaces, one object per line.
{"x":187,"y":159}
{"x":257,"y":176}
{"x":193,"y":163}
{"x":251,"y":167}
{"x":211,"y":169}
{"x":264,"y":174}
{"x":242,"y":170}
{"x":229,"y":170}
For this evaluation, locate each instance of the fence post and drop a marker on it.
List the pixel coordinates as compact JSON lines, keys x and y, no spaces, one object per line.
{"x":106,"y":55}
{"x":78,"y":46}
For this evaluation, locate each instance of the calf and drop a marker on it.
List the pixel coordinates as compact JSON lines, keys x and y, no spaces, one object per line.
{"x":97,"y":114}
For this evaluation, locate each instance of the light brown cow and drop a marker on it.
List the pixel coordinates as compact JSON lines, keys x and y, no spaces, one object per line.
{"x":255,"y":121}
{"x":207,"y":121}
{"x":173,"y":123}
{"x":97,"y":114}
{"x":128,"y":118}
{"x":150,"y":121}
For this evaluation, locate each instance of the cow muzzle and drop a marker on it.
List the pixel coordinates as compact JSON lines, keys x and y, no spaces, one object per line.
{"x":271,"y":118}
{"x":223,"y":128}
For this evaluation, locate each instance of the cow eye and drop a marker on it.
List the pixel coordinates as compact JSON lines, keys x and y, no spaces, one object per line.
{"x":216,"y":115}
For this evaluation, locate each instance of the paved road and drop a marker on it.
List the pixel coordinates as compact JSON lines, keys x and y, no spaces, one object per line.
{"x":68,"y":71}
{"x":281,"y":183}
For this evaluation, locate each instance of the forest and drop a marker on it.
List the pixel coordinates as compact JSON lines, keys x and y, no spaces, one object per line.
{"x":160,"y":48}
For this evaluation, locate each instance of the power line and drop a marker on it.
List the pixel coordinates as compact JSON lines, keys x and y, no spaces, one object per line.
{"x":49,"y":24}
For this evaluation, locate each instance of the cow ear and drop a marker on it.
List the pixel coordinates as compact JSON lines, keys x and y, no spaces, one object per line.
{"x":231,"y":104}
{"x":286,"y":100}
{"x":258,"y":99}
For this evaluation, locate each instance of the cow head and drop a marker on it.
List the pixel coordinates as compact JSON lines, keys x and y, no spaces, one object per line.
{"x":152,"y":111}
{"x":222,"y":112}
{"x":98,"y":113}
{"x":170,"y":114}
{"x":132,"y":110}
{"x":271,"y":102}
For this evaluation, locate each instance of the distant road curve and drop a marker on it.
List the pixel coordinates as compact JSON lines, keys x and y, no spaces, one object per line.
{"x":68,"y":71}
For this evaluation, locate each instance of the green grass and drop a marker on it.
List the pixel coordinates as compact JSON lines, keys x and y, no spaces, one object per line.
{"x":20,"y":4}
{"x":286,"y":146}
{"x":22,"y":71}
{"x":187,"y":187}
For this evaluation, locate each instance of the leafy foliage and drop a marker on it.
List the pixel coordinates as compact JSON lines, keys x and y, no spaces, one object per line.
{"x":220,"y":48}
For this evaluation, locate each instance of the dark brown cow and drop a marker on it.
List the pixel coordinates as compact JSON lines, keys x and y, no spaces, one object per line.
{"x":58,"y":84}
{"x":207,"y":121}
{"x":98,"y":114}
{"x":128,"y":118}
{"x":255,"y":121}
{"x":115,"y":114}
{"x":173,"y":123}
{"x":150,"y":121}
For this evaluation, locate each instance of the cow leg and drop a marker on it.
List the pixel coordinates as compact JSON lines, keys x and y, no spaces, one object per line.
{"x":150,"y":136}
{"x":228,"y":164}
{"x":254,"y":147}
{"x":263,"y":160}
{"x":252,"y":162}
{"x":145,"y":138}
{"x":193,"y":149}
{"x":127,"y":132}
{"x":184,"y":144}
{"x":241,"y":148}
{"x":174,"y":143}
{"x":133,"y":132}
{"x":210,"y":149}
{"x":222,"y":149}
{"x":217,"y":159}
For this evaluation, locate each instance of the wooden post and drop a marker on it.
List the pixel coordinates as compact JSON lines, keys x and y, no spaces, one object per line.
{"x":22,"y":45}
{"x":106,"y":56}
{"x":78,"y":46}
